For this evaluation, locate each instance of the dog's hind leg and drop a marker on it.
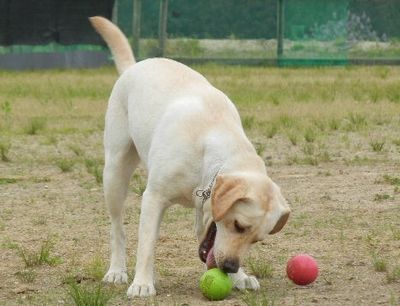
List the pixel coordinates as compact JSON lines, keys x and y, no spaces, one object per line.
{"x":121,"y":159}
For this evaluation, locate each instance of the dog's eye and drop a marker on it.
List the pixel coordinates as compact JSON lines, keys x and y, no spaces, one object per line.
{"x":240,"y":229}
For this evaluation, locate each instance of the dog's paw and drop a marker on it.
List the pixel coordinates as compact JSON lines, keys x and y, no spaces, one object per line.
{"x":115,"y":277}
{"x":243,"y":281}
{"x":142,"y":290}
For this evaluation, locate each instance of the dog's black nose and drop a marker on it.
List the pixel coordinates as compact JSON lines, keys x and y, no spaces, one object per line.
{"x":230,"y":266}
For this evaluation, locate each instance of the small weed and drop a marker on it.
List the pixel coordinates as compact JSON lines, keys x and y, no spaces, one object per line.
{"x":4,"y":150}
{"x":325,"y":173}
{"x":293,"y":138}
{"x":271,"y":131}
{"x":36,"y":124}
{"x":248,"y":122}
{"x":139,"y":184}
{"x":286,"y":121}
{"x":88,"y":295}
{"x":6,"y":108}
{"x":393,"y":299}
{"x":377,"y":146}
{"x":9,"y":245}
{"x":356,"y":122}
{"x":311,"y":160}
{"x":259,"y":267}
{"x":392,"y":180}
{"x":334,"y":124}
{"x":395,"y":232}
{"x":374,"y":95}
{"x":310,"y":135}
{"x":4,"y":180}
{"x":254,"y":298}
{"x":41,"y":220}
{"x":40,"y":257}
{"x":393,"y":275}
{"x":380,"y":264}
{"x":325,"y":157}
{"x":319,"y":124}
{"x":393,"y":94}
{"x":382,"y":72}
{"x":396,"y":142}
{"x":65,"y":164}
{"x":26,"y":275}
{"x":382,"y":197}
{"x":260,"y":148}
{"x":164,"y":271}
{"x":293,"y":160}
{"x":50,"y":140}
{"x":95,"y":167}
{"x":96,"y":268}
{"x":275,"y":98}
{"x":76,"y":149}
{"x":308,"y":149}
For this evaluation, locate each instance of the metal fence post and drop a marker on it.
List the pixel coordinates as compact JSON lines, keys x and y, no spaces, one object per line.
{"x":280,"y":26}
{"x":162,"y":26}
{"x":137,"y":9}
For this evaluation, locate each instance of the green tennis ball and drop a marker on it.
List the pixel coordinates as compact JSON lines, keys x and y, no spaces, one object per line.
{"x":215,"y":284}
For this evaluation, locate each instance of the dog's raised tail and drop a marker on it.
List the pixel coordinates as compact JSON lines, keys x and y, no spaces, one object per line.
{"x":116,"y":41}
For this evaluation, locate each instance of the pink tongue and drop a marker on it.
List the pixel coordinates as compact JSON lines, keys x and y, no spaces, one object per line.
{"x":210,"y":262}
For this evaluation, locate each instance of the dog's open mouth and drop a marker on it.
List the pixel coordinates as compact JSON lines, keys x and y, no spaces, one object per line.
{"x":206,"y":247}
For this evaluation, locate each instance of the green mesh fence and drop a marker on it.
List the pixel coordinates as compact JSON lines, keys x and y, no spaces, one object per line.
{"x":314,"y":31}
{"x":340,"y":31}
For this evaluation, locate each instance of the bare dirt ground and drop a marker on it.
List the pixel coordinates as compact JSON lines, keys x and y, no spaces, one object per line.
{"x":343,"y":188}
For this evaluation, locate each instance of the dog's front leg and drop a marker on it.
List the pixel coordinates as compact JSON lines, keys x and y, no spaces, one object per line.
{"x":152,"y":210}
{"x":243,"y":281}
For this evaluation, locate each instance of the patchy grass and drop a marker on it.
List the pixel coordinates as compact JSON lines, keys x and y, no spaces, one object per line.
{"x":39,"y":257}
{"x":85,"y":295}
{"x":139,"y":184}
{"x":95,"y":167}
{"x":319,"y":131}
{"x":95,"y":268}
{"x":65,"y":164}
{"x":392,"y":180}
{"x":379,"y":197}
{"x":5,"y":180}
{"x":35,"y":125}
{"x":379,"y":263}
{"x":393,"y":275}
{"x":377,"y":146}
{"x":258,"y":299}
{"x":5,"y":147}
{"x":259,"y":267}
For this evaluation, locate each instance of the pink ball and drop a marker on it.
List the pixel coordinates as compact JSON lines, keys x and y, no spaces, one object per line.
{"x":302,"y":269}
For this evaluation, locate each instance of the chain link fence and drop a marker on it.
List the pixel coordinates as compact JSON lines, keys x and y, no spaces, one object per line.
{"x":283,"y":32}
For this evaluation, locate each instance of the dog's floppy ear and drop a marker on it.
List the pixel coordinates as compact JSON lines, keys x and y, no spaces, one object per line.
{"x":227,"y":190}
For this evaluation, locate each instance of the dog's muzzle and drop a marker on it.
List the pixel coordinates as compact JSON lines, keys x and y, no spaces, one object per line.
{"x":230,"y":265}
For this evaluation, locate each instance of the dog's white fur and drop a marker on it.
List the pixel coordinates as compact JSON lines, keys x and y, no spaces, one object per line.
{"x":185,"y":131}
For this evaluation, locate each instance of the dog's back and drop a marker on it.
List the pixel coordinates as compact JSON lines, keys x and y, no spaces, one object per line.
{"x":150,"y":90}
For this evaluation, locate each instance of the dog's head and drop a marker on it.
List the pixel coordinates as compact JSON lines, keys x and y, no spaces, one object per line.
{"x":244,"y":209}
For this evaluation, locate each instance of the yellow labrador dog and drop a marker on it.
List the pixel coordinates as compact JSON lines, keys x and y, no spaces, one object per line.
{"x":189,"y":136}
